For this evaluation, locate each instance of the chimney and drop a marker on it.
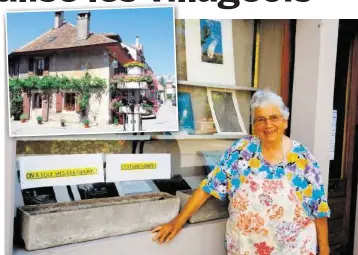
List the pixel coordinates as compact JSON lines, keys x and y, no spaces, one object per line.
{"x":58,"y":19}
{"x":137,"y":42}
{"x":83,"y":25}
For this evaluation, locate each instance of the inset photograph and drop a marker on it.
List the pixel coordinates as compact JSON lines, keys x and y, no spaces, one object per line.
{"x":94,"y":71}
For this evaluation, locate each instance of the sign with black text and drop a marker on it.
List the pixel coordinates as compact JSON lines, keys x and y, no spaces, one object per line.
{"x":132,"y":167}
{"x":60,"y":170}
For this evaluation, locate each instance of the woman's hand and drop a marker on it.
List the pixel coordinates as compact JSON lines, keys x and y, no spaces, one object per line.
{"x":166,"y":232}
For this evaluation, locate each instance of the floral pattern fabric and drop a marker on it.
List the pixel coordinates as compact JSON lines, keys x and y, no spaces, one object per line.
{"x":272,"y":207}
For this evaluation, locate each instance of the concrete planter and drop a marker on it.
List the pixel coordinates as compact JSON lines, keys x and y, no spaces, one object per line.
{"x":211,"y":210}
{"x":51,"y":225}
{"x":134,"y":70}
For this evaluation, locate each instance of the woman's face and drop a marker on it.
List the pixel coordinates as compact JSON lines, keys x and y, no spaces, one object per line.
{"x":269,"y":124}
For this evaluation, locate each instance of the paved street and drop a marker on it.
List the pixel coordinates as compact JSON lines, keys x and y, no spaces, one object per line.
{"x":166,"y":120}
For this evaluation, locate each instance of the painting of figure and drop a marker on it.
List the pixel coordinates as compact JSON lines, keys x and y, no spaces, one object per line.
{"x":211,"y":41}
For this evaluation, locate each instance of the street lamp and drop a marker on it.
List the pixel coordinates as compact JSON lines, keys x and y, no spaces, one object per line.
{"x":114,"y":63}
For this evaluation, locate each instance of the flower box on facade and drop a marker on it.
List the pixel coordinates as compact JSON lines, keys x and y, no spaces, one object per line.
{"x":134,"y":70}
{"x":213,"y":208}
{"x":51,"y":225}
{"x":132,"y":85}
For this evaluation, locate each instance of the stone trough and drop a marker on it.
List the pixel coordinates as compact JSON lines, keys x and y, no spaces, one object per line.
{"x":51,"y":225}
{"x":211,"y":210}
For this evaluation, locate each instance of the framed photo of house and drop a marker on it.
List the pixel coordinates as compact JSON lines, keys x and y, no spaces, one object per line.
{"x":65,"y":79}
{"x":224,"y":107}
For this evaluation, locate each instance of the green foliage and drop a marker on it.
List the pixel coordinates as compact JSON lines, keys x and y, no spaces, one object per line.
{"x":56,"y":82}
{"x":23,"y":116}
{"x":141,"y":78}
{"x":39,"y":118}
{"x":47,"y":83}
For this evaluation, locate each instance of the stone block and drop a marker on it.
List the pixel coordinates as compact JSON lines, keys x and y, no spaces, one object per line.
{"x":50,"y":225}
{"x":211,"y":210}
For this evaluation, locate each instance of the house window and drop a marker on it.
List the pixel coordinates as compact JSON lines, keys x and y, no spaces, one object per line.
{"x":120,"y":69}
{"x":37,"y":101}
{"x":14,"y":67}
{"x":39,"y":65}
{"x":224,"y":107}
{"x":70,"y":101}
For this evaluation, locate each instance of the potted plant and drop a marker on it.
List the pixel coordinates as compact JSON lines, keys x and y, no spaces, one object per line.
{"x":23,"y":118}
{"x":39,"y":119}
{"x":86,"y":123}
{"x":134,"y":67}
{"x":62,"y":122}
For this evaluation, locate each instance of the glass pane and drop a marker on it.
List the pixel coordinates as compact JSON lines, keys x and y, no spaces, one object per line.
{"x":225,"y":111}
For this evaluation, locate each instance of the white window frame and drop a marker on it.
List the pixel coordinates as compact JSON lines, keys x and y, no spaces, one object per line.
{"x":236,"y":106}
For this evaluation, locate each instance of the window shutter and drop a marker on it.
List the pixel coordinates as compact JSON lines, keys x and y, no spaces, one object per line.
{"x":31,"y":65}
{"x":59,"y":102}
{"x":47,"y":64}
{"x":26,"y":105}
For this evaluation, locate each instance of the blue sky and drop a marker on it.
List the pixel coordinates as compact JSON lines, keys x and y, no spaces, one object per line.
{"x":154,"y":26}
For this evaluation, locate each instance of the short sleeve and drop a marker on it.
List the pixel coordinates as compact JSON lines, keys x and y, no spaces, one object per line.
{"x":217,"y":181}
{"x":314,"y":195}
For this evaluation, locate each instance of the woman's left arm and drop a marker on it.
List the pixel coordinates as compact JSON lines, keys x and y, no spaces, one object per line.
{"x":322,"y":235}
{"x":317,"y":200}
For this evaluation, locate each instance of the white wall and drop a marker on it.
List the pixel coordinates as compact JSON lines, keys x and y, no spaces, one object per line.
{"x":202,"y":72}
{"x":196,"y":239}
{"x":313,"y":87}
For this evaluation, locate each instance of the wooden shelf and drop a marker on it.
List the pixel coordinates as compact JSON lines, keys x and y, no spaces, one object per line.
{"x":107,"y":137}
{"x":215,"y":85}
{"x":196,"y":137}
{"x":111,"y":137}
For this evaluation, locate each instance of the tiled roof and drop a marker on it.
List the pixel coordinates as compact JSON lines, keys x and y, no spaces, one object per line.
{"x":61,"y":38}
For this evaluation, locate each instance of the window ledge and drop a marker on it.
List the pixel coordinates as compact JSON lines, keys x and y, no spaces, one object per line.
{"x":214,"y":85}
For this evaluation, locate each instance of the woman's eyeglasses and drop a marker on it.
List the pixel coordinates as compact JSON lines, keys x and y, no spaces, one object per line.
{"x":263,"y":120}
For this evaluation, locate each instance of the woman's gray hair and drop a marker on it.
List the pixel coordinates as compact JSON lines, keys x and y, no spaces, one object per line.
{"x":263,"y":98}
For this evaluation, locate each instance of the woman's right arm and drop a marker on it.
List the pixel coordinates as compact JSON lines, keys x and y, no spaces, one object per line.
{"x":168,"y":231}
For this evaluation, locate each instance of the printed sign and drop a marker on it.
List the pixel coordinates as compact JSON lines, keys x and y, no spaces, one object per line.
{"x":135,"y":167}
{"x":60,"y":170}
{"x":333,"y":135}
{"x":139,"y":166}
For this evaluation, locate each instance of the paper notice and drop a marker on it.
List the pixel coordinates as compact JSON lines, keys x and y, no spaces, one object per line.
{"x":333,"y":135}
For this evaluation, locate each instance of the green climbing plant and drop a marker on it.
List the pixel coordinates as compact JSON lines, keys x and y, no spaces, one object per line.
{"x":81,"y":85}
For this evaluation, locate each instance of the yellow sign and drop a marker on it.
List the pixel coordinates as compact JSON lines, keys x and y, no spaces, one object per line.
{"x":68,"y":172}
{"x":138,"y":166}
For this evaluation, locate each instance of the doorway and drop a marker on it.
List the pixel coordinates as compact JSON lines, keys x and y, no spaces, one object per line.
{"x":342,"y":188}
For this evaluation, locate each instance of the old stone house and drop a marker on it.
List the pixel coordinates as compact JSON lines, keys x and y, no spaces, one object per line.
{"x":72,"y":50}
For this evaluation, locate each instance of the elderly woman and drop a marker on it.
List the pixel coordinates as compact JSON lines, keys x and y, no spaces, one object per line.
{"x":277,"y":199}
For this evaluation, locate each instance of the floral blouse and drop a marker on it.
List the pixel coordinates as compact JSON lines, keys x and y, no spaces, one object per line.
{"x":245,"y":158}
